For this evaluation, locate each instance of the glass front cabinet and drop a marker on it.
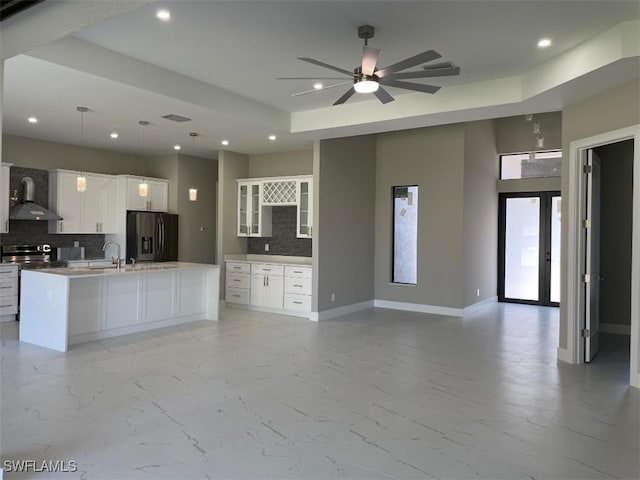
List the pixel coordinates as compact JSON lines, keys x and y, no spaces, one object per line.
{"x":254,"y":220}
{"x":305,"y":211}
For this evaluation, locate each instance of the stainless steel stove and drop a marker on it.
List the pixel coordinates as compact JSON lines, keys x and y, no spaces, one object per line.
{"x":30,"y":257}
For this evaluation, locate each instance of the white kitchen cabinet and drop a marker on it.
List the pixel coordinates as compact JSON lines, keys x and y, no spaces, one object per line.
{"x":254,"y":219}
{"x":85,"y":307}
{"x":238,"y":283}
{"x":122,"y":295}
{"x":4,"y":197}
{"x":297,"y":288}
{"x":267,"y":285}
{"x":304,"y":223}
{"x":91,"y":211}
{"x":8,"y":291}
{"x":191,"y":294}
{"x":160,"y":299}
{"x":157,"y":198}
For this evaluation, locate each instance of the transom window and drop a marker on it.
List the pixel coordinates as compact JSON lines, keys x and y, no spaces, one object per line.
{"x":531,"y":165}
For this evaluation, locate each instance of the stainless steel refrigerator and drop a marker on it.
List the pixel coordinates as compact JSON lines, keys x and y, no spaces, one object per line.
{"x":152,"y":236}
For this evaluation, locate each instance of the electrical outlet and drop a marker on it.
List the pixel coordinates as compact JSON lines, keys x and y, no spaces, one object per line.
{"x":266,"y":247}
{"x":333,"y":297}
{"x":478,"y":292}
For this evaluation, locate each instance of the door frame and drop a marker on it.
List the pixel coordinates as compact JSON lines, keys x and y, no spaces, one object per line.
{"x":544,"y":232}
{"x":572,"y":303}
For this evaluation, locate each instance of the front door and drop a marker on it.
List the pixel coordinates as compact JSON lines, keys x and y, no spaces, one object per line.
{"x":529,"y":243}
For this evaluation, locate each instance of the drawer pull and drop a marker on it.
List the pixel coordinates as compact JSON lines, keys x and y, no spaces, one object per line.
{"x":300,"y":286}
{"x":7,"y":305}
{"x":266,"y":269}
{"x":7,"y":287}
{"x":237,"y":268}
{"x":6,"y":271}
{"x":297,"y":271}
{"x":299,"y":303}
{"x":236,"y":280}
{"x":237,"y":296}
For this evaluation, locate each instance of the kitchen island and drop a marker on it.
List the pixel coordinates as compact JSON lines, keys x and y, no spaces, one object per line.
{"x":64,"y":306}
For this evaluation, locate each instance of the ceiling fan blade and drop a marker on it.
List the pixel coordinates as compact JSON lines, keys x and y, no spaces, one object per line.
{"x":326,"y":65}
{"x":439,"y":65}
{"x":310,"y":78}
{"x":423,"y":57}
{"x":410,"y":86}
{"x":345,"y":97}
{"x":435,"y":72}
{"x":323,"y":88}
{"x":383,"y":95}
{"x":369,"y":59}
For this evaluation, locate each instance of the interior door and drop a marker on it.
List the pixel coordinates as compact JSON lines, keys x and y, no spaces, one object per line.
{"x":592,"y":260}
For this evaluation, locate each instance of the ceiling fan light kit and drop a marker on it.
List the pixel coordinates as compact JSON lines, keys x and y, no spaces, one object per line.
{"x":368,"y":78}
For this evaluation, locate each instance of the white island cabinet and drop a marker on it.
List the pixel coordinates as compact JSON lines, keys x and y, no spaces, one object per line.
{"x":63,"y":306}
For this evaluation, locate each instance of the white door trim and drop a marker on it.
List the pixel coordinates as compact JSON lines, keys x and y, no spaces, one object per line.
{"x":576,"y":247}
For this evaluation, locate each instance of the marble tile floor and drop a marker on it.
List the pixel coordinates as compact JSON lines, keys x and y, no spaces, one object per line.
{"x":379,"y":394}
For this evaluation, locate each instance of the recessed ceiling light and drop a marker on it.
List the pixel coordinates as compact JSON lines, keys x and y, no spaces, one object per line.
{"x":32,"y":120}
{"x":544,"y":43}
{"x":163,"y":14}
{"x":318,"y":86}
{"x":272,"y":137}
{"x":114,"y":135}
{"x":177,"y":147}
{"x":225,"y":142}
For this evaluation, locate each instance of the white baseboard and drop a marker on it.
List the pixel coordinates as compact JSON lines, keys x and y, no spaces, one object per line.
{"x":615,"y":328}
{"x":418,"y":307}
{"x":634,"y":381}
{"x":479,"y":305}
{"x":278,"y":311}
{"x":564,"y":355}
{"x":337,"y":312}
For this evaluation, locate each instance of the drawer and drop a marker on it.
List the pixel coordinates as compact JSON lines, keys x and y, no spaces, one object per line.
{"x":237,"y":295}
{"x":298,"y":272}
{"x":9,"y":305}
{"x":8,"y":288}
{"x":8,"y":271}
{"x":294,"y":301}
{"x":297,"y":285}
{"x":239,"y":267}
{"x":267,"y":269}
{"x":238,"y":280}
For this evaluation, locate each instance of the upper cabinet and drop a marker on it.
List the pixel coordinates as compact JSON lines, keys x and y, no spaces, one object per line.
{"x":4,"y":196}
{"x":257,"y":196}
{"x":88,"y":211}
{"x":154,"y":197}
{"x":304,"y":221}
{"x":254,"y":219}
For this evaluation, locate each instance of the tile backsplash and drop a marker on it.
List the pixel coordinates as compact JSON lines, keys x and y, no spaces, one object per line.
{"x":283,"y":240}
{"x":34,"y":232}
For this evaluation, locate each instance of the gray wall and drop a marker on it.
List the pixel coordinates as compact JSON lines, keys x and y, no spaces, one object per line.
{"x":196,"y":245}
{"x":344,"y":219}
{"x":515,"y":134}
{"x":616,"y":225}
{"x":432,"y":158}
{"x":295,"y":162}
{"x":480,"y":229}
{"x":231,"y":165}
{"x":32,"y":153}
{"x":605,"y":112}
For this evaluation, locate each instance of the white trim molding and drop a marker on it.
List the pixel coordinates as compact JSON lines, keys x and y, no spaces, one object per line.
{"x":564,"y":355}
{"x":476,"y":307}
{"x":418,"y":307}
{"x":339,"y":311}
{"x":615,"y":328}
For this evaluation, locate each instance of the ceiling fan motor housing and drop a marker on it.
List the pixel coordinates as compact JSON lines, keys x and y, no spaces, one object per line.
{"x":366,"y":32}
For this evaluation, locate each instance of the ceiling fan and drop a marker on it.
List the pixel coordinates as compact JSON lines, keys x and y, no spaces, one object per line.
{"x":368,"y":78}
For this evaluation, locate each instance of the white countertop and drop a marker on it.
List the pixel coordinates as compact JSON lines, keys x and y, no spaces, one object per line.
{"x":268,"y":259}
{"x":71,"y":272}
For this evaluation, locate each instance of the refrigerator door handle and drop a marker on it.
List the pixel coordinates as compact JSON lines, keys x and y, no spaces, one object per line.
{"x":162,"y":237}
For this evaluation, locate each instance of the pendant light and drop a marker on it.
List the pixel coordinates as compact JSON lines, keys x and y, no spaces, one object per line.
{"x":81,"y":180}
{"x":193,"y":192}
{"x":143,"y":188}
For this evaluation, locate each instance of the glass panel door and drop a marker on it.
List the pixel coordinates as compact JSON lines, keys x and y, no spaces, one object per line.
{"x":303,"y":209}
{"x":522,"y":248}
{"x":255,"y":208}
{"x":243,"y":220}
{"x":529,"y":244}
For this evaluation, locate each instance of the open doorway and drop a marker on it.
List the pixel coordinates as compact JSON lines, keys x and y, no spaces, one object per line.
{"x":603,"y":255}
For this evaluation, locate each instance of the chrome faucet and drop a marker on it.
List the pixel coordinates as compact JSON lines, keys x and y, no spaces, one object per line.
{"x":117,"y":261}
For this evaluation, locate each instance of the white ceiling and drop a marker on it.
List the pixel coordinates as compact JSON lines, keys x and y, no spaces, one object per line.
{"x":217,"y":62}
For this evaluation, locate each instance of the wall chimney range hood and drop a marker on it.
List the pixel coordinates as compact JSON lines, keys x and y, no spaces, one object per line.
{"x":27,"y":209}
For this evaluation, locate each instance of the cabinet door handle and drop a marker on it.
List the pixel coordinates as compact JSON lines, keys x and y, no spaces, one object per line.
{"x":6,"y":225}
{"x":97,"y":226}
{"x":61,"y":229}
